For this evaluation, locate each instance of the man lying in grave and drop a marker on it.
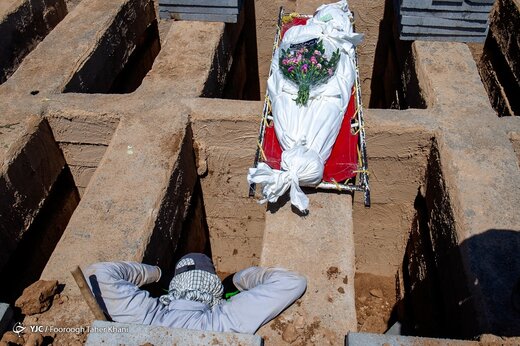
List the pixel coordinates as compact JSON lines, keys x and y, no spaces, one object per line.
{"x":195,"y":297}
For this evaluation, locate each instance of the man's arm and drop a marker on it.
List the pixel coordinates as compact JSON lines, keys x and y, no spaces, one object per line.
{"x":266,"y":292}
{"x":116,"y":288}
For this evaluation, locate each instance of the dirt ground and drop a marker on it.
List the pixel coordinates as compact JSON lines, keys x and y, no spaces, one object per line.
{"x":375,"y":299}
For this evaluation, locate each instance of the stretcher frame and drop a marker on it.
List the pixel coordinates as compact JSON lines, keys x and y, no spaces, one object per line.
{"x":357,"y":127}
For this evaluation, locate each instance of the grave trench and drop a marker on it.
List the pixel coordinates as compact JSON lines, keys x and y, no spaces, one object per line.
{"x":394,"y":82}
{"x":233,"y":224}
{"x":393,"y":243}
{"x":381,"y":232}
{"x":497,"y":59}
{"x":80,"y":145}
{"x":131,"y":58}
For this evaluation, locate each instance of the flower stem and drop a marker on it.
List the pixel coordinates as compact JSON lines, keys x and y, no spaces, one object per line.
{"x":303,"y":94}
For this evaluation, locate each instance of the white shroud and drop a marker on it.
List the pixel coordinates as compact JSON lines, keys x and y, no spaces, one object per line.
{"x":307,"y":134}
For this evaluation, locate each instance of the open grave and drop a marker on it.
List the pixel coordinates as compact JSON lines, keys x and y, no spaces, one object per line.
{"x":118,"y":145}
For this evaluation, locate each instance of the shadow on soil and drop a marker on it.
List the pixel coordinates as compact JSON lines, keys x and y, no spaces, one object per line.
{"x":471,"y":290}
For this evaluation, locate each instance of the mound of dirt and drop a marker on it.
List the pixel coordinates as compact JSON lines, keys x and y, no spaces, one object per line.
{"x":374,"y":303}
{"x":31,"y":339}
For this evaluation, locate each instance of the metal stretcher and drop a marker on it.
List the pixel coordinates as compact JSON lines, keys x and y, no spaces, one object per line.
{"x":347,"y":168}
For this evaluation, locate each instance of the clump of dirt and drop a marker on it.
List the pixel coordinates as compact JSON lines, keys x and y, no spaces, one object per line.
{"x":38,"y":297}
{"x":495,"y":340}
{"x":375,"y":299}
{"x":10,"y":338}
{"x":332,"y":273}
{"x":30,"y":339}
{"x":299,"y":331}
{"x":290,"y":334}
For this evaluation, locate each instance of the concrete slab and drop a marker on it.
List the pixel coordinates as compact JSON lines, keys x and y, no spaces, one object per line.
{"x":82,"y":176}
{"x":222,"y":3}
{"x":489,"y":2}
{"x":442,"y":38}
{"x":199,"y":9}
{"x":445,"y":6}
{"x":454,"y":2}
{"x":365,"y":339}
{"x":442,"y":22}
{"x":111,"y":333}
{"x":203,"y":17}
{"x":6,"y":314}
{"x":321,"y":247}
{"x":448,"y":31}
{"x":8,"y":6}
{"x":445,"y":14}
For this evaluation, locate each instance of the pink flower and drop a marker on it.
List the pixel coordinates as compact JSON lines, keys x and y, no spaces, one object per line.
{"x":317,"y":52}
{"x":313,"y":60}
{"x":285,"y":61}
{"x":330,"y":72}
{"x":318,"y":66}
{"x":290,"y":69}
{"x":299,"y":58}
{"x":305,"y":67}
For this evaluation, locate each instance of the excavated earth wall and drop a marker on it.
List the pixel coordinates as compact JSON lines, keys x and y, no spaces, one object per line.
{"x":499,"y":64}
{"x":23,"y":24}
{"x":226,"y":145}
{"x":33,"y":165}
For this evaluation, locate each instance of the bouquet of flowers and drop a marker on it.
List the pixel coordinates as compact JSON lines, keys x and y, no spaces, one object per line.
{"x":306,"y":65}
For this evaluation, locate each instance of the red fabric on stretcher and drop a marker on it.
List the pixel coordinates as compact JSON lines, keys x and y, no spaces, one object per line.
{"x":295,"y":21}
{"x":343,"y":159}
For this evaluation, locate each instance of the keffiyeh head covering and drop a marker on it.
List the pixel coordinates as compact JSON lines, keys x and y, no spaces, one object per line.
{"x":195,"y":279}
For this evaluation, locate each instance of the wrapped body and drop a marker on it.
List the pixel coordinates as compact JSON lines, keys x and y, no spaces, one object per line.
{"x":307,"y":133}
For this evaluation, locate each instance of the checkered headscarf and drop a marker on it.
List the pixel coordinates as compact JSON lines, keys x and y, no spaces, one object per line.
{"x":194,"y":284}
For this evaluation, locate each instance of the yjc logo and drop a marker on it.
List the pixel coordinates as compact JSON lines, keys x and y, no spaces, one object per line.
{"x":18,"y":329}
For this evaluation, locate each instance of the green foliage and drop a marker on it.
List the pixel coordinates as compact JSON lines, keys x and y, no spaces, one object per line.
{"x":307,"y":66}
